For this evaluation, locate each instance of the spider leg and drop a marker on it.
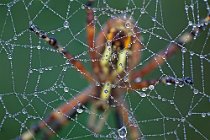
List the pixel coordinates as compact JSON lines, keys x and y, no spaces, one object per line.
{"x":59,"y":117}
{"x":122,"y":119}
{"x":90,"y":35}
{"x":94,"y":123}
{"x":161,"y":57}
{"x":53,"y":42}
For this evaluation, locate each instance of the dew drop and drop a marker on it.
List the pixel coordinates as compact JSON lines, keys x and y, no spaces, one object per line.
{"x":24,"y":111}
{"x":168,"y":83}
{"x":201,"y":56}
{"x":127,"y":25}
{"x":105,"y":91}
{"x":142,"y":10}
{"x":153,"y":19}
{"x":151,"y":87}
{"x":142,"y":94}
{"x":38,"y":47}
{"x":138,"y":80}
{"x":181,"y":83}
{"x":195,"y":91}
{"x":64,"y":68}
{"x":122,"y":132}
{"x":203,"y":115}
{"x":66,"y":89}
{"x":66,"y":24}
{"x":15,"y":38}
{"x":190,"y":23}
{"x":22,"y":125}
{"x":125,"y":79}
{"x":184,"y":50}
{"x":171,"y":102}
{"x":9,"y":57}
{"x":108,"y":43}
{"x":79,"y":110}
{"x":40,"y":71}
{"x":144,"y":89}
{"x":83,"y":6}
{"x":192,"y":53}
{"x":182,"y":119}
{"x":97,"y":84}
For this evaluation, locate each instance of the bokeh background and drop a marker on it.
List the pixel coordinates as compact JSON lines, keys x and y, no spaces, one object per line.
{"x":33,"y":76}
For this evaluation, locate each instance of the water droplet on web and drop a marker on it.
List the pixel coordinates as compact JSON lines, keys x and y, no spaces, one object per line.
{"x":184,"y":50}
{"x":108,"y":43}
{"x":125,"y":79}
{"x":159,"y":97}
{"x":144,"y":89}
{"x":66,"y":89}
{"x":79,"y":110}
{"x":186,"y":7}
{"x":127,"y":24}
{"x":201,"y":56}
{"x":181,"y":83}
{"x":38,"y":47}
{"x":66,"y":24}
{"x":24,"y":111}
{"x":142,"y":10}
{"x":15,"y":38}
{"x":171,"y":102}
{"x":22,"y":125}
{"x":192,"y":53}
{"x":142,"y":94}
{"x":97,"y":84}
{"x":122,"y":132}
{"x":40,"y":71}
{"x":190,"y":23}
{"x":182,"y":119}
{"x":83,"y":6}
{"x":153,"y":19}
{"x":138,"y":80}
{"x":9,"y":57}
{"x":24,"y":96}
{"x":30,"y":71}
{"x":151,"y":87}
{"x":195,"y":91}
{"x":203,"y":115}
{"x":105,"y":91}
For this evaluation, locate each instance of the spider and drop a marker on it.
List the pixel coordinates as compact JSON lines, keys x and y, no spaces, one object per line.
{"x":114,"y":55}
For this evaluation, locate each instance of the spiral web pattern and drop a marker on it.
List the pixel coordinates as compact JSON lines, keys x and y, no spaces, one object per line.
{"x":35,"y":79}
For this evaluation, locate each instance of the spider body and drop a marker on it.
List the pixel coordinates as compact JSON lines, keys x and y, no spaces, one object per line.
{"x":114,"y":54}
{"x":119,"y":46}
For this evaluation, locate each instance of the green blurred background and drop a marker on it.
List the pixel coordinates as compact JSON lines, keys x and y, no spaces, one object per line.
{"x":32,"y":75}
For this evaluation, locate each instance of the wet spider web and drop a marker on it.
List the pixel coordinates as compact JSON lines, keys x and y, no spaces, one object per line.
{"x":35,"y":79}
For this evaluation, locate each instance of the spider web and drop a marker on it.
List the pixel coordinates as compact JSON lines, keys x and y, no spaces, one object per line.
{"x":35,"y":79}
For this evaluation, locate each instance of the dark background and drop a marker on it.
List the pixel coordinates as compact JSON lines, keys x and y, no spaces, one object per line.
{"x":32,"y":79}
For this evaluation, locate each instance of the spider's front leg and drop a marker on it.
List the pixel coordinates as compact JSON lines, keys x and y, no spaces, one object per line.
{"x":53,"y":42}
{"x":58,"y":118}
{"x":162,"y":56}
{"x":91,"y":35}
